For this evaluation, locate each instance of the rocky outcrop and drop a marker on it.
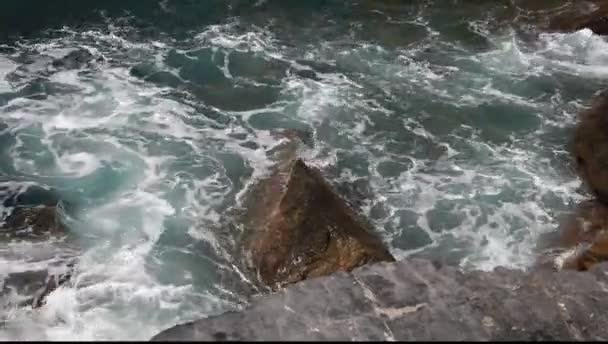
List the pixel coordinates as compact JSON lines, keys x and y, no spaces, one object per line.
{"x":31,"y":287}
{"x":296,"y":226}
{"x":583,"y":239}
{"x":415,"y":300}
{"x":591,"y":15}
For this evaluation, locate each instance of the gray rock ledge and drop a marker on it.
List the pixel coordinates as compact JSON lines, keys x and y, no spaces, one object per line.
{"x":414,"y":300}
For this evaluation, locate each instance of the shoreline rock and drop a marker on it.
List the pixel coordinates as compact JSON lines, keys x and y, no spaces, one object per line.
{"x":33,"y":286}
{"x":414,"y":300}
{"x":591,"y":146}
{"x":595,"y":18}
{"x":40,"y":224}
{"x":583,"y":238}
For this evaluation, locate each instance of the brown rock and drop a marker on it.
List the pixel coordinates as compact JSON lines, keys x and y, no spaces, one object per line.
{"x":592,"y":15}
{"x":583,"y":238}
{"x":591,"y":147}
{"x":297,"y":227}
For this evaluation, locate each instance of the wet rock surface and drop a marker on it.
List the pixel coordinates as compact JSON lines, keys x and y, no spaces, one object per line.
{"x":31,"y":287}
{"x":592,"y":15}
{"x":582,"y":239}
{"x":31,"y":270}
{"x":298,"y":227}
{"x":591,"y":146}
{"x":33,"y":223}
{"x":415,"y":300}
{"x":35,"y":257}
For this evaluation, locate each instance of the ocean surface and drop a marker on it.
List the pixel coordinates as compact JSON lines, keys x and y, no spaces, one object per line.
{"x":447,"y":123}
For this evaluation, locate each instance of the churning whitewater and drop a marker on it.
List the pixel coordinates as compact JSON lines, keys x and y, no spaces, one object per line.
{"x":448,"y":130}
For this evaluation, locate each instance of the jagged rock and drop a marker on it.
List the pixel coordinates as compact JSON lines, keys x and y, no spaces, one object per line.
{"x":298,"y":227}
{"x":414,"y":300}
{"x":591,"y":147}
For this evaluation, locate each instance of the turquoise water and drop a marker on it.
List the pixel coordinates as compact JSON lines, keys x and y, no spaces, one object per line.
{"x":447,"y":124}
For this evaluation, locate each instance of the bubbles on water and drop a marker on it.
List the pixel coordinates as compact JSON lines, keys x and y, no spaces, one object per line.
{"x":107,"y":124}
{"x":444,"y":144}
{"x":6,"y":67}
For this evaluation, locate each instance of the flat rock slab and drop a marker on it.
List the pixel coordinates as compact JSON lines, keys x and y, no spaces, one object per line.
{"x":414,"y":300}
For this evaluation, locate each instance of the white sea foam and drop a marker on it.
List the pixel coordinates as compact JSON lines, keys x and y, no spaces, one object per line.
{"x":6,"y":67}
{"x":128,"y":224}
{"x":156,"y":156}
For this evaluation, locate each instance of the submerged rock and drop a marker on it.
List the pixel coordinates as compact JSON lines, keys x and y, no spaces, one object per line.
{"x":32,"y":223}
{"x":31,"y":287}
{"x":298,"y":227}
{"x":583,"y":238}
{"x":591,"y":147}
{"x":75,"y":59}
{"x":414,"y":300}
{"x":36,"y":265}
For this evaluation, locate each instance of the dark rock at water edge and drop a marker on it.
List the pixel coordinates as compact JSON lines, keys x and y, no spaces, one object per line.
{"x":590,"y":14}
{"x":591,"y":146}
{"x":75,"y":59}
{"x":35,"y":285}
{"x":415,"y":300}
{"x":581,"y":240}
{"x":33,"y":223}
